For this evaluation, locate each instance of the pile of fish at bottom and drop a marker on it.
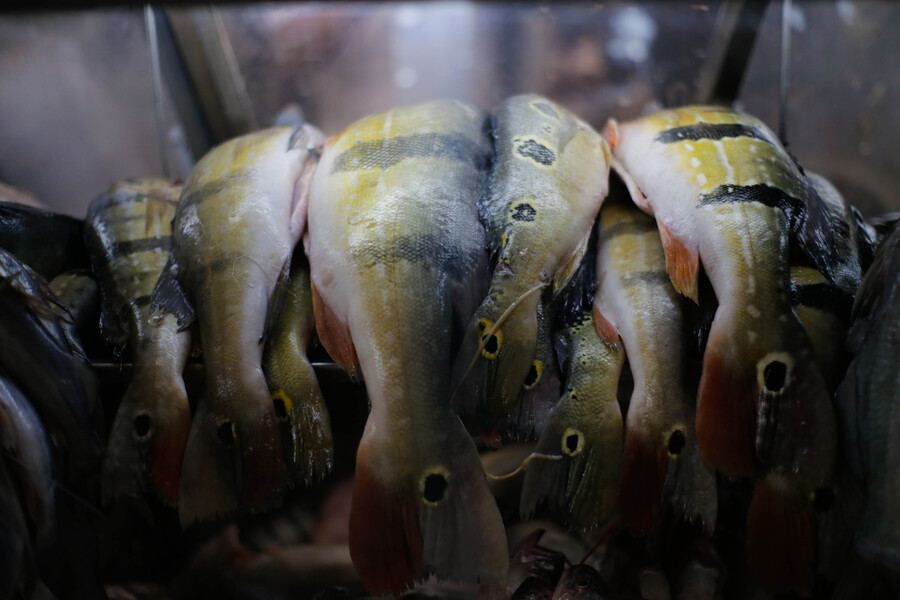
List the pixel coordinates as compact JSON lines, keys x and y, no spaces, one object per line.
{"x":461,"y":264}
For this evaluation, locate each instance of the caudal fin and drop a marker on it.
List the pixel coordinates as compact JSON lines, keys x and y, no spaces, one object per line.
{"x":148,"y":438}
{"x":781,"y":541}
{"x":644,"y":464}
{"x":690,"y":485}
{"x":418,"y":511}
{"x":582,"y":487}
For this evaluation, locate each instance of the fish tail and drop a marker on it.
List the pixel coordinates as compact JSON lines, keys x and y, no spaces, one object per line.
{"x":148,"y":438}
{"x":644,"y":464}
{"x":422,"y":511}
{"x":781,"y":542}
{"x":690,"y":484}
{"x":582,"y":487}
{"x":263,"y":472}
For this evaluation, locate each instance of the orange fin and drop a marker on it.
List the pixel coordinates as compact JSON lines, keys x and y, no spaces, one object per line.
{"x":726,"y":416}
{"x":611,"y":133}
{"x":167,"y":454}
{"x":605,"y":329}
{"x":334,"y":334}
{"x":781,"y":535}
{"x":682,"y":263}
{"x":643,"y":479}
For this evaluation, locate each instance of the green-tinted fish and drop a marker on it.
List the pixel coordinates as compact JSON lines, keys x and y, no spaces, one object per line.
{"x":585,"y":428}
{"x":241,"y":212}
{"x":869,"y":404}
{"x":39,"y":355}
{"x":47,"y":242}
{"x":292,"y":381}
{"x":395,"y":247}
{"x":636,"y":302}
{"x":550,"y":177}
{"x":128,"y":232}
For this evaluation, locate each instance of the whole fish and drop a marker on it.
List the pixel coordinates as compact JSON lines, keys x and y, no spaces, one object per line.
{"x":585,"y":430}
{"x":869,"y":407}
{"x":26,"y":450}
{"x":39,"y":355}
{"x":395,"y":246}
{"x":292,"y":381}
{"x":47,"y":242}
{"x":724,"y":191}
{"x":128,"y":232}
{"x":550,"y":177}
{"x":636,"y":302}
{"x":241,"y":212}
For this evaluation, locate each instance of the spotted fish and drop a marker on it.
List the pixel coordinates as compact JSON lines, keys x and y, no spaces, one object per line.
{"x":128,"y":232}
{"x":396,"y":247}
{"x":241,"y":212}
{"x":725,"y":192}
{"x":585,"y":429}
{"x":292,"y":382}
{"x":635,"y":302}
{"x":550,"y":177}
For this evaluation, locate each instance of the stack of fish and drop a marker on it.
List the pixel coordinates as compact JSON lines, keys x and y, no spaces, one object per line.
{"x":483,"y":277}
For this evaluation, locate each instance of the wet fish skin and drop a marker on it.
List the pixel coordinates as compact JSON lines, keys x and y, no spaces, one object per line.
{"x":47,"y":364}
{"x":128,"y":233}
{"x":724,"y":191}
{"x":241,"y":212}
{"x":636,"y":302}
{"x":47,"y":242}
{"x":585,"y":429}
{"x":395,"y":247}
{"x":292,"y":380}
{"x":548,"y":181}
{"x":867,"y":404}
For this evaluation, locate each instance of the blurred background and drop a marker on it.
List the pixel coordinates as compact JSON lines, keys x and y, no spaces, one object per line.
{"x":77,"y":100}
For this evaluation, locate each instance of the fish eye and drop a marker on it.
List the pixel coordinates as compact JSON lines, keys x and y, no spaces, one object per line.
{"x":582,"y":582}
{"x":226,"y":432}
{"x":775,"y":376}
{"x":677,"y":441}
{"x":142,"y":425}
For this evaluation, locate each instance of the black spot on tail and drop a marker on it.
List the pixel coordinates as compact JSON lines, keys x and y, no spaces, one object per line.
{"x":280,"y":409}
{"x":533,"y":376}
{"x":572,"y":442}
{"x":774,"y":376}
{"x":142,"y":425}
{"x":435,"y":487}
{"x":676,"y":442}
{"x":225,"y":431}
{"x":823,"y":499}
{"x":524,"y":212}
{"x":536,"y":152}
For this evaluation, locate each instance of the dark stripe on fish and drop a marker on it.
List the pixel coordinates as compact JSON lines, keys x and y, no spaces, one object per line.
{"x":645,"y":277}
{"x":385,"y":153}
{"x":825,"y":297}
{"x":793,"y":208}
{"x":546,"y":109}
{"x":141,"y":245}
{"x":430,"y":251}
{"x":537,"y":152}
{"x":628,"y":228}
{"x":122,"y":197}
{"x":709,"y":131}
{"x":142,"y":301}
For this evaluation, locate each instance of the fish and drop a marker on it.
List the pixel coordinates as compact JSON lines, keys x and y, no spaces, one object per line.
{"x":549,"y":179}
{"x":725,"y":192}
{"x":292,"y":380}
{"x":241,"y":212}
{"x":868,"y":407}
{"x":27,"y":452}
{"x":585,"y":432}
{"x":128,"y":233}
{"x":530,"y":560}
{"x":396,"y":249}
{"x":582,"y":582}
{"x":47,"y":242}
{"x":41,"y":357}
{"x":636,"y":305}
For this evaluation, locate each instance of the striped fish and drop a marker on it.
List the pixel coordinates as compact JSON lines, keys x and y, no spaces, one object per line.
{"x":128,"y":232}
{"x":635,"y":302}
{"x":585,"y":429}
{"x":396,"y":247}
{"x":550,"y":177}
{"x":241,"y":212}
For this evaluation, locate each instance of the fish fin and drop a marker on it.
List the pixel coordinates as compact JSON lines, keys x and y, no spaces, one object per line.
{"x":637,"y":196}
{"x":644,"y":464}
{"x":606,"y":330}
{"x":582,"y":488}
{"x":276,"y":299}
{"x":311,"y":141}
{"x":568,"y":270}
{"x":682,"y":263}
{"x":780,"y":541}
{"x":690,"y":484}
{"x":148,"y":438}
{"x":611,"y":133}
{"x":169,"y":297}
{"x":334,"y":333}
{"x":411,"y":518}
{"x":725,"y":415}
{"x":814,"y":232}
